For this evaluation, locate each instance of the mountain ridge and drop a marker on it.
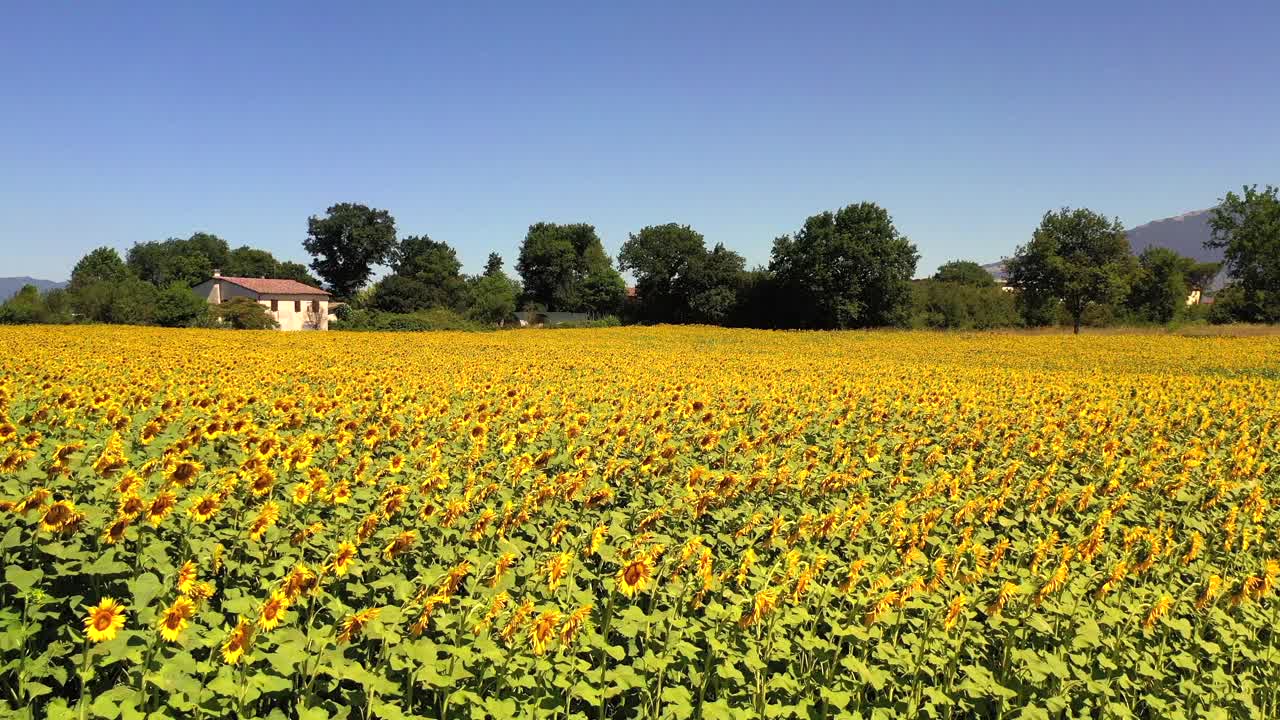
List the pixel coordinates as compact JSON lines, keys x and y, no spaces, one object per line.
{"x":9,"y":286}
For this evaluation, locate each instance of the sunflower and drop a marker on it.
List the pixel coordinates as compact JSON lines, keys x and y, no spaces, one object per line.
{"x":186,"y":577}
{"x":573,"y":623}
{"x":203,"y":508}
{"x":160,"y":507}
{"x":300,"y":580}
{"x":174,"y":619}
{"x":501,"y":567}
{"x":954,"y":611}
{"x":763,"y":604}
{"x":58,"y":516}
{"x":114,"y":532}
{"x":399,"y":544}
{"x":557,"y":567}
{"x":354,"y":624}
{"x":634,"y":576}
{"x":265,"y":519}
{"x":542,"y":630}
{"x":343,"y":558}
{"x":104,"y":620}
{"x":184,"y":472}
{"x":273,"y":610}
{"x":237,"y":642}
{"x":596,"y":540}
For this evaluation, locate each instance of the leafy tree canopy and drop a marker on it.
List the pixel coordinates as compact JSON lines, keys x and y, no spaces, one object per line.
{"x":347,"y":242}
{"x":848,"y":268}
{"x":100,"y":265}
{"x":1159,"y":289}
{"x":965,"y":272}
{"x":564,"y":267}
{"x":242,"y":313}
{"x":1247,"y":228}
{"x":1077,"y":257}
{"x":190,"y":261}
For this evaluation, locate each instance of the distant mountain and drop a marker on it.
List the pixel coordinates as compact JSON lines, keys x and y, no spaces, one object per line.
{"x":9,"y":286}
{"x":1185,"y":234}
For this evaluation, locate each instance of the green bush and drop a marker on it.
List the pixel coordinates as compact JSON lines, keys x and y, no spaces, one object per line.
{"x":420,"y":321}
{"x":956,"y":306}
{"x":242,"y":313}
{"x":601,"y":322}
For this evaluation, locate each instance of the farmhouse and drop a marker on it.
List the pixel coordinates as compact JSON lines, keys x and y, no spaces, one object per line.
{"x":293,"y":305}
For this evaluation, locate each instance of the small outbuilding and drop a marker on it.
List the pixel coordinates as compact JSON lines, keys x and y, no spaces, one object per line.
{"x":534,"y":318}
{"x":293,"y":305}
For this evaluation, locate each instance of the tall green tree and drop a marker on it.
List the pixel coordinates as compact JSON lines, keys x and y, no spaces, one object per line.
{"x":347,"y":242}
{"x":1247,"y":228}
{"x":964,"y":272}
{"x":1159,"y":289}
{"x":565,"y":267}
{"x":843,"y":269}
{"x":662,"y":258}
{"x":711,"y":285}
{"x":493,"y":266}
{"x":177,"y":306}
{"x":491,"y":298}
{"x":435,"y":267}
{"x":190,"y":261}
{"x":100,"y":265}
{"x":1077,"y":257}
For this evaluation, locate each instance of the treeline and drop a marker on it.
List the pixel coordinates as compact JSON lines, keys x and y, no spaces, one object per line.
{"x":848,"y":268}
{"x":152,"y":285}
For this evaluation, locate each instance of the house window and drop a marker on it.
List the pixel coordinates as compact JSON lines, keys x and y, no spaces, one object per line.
{"x":297,"y":306}
{"x":275,"y":306}
{"x":315,"y":306}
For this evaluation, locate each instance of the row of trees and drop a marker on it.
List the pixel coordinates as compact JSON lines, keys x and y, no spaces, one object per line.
{"x":1079,"y":261}
{"x":842,"y":269}
{"x":848,"y":268}
{"x":152,"y":285}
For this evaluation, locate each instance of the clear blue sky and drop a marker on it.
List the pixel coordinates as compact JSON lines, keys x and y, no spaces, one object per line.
{"x":130,"y":121}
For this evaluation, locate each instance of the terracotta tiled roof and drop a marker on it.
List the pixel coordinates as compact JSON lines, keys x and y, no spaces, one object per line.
{"x":273,"y":286}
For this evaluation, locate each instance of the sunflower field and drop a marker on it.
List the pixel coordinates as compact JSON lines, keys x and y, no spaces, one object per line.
{"x":637,"y":523}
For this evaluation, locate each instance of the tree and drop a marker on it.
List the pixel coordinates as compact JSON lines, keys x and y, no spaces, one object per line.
{"x":1247,"y":228}
{"x":347,"y":242}
{"x":1159,"y":288}
{"x":133,"y":302}
{"x":1078,"y":257}
{"x":711,"y":285}
{"x":493,"y":266}
{"x":28,"y":306}
{"x":177,"y":306}
{"x":400,"y":294}
{"x":1201,"y":274}
{"x":242,"y":313}
{"x":190,"y":261}
{"x":661,"y":258}
{"x":491,"y":298}
{"x":245,"y":261}
{"x":435,"y":267}
{"x":951,"y":305}
{"x":564,"y":267}
{"x":850,"y":268}
{"x":964,"y":272}
{"x":100,"y":265}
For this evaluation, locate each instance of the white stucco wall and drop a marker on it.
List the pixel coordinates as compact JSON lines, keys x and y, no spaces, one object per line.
{"x":289,"y":318}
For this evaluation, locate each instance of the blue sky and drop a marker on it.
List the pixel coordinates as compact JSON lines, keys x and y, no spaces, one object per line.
{"x":124,"y":122}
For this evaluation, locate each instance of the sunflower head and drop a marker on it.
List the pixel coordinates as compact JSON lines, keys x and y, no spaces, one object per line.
{"x":104,"y":620}
{"x":634,"y":576}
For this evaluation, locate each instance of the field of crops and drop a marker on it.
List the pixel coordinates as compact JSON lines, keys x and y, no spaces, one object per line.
{"x":670,"y":522}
